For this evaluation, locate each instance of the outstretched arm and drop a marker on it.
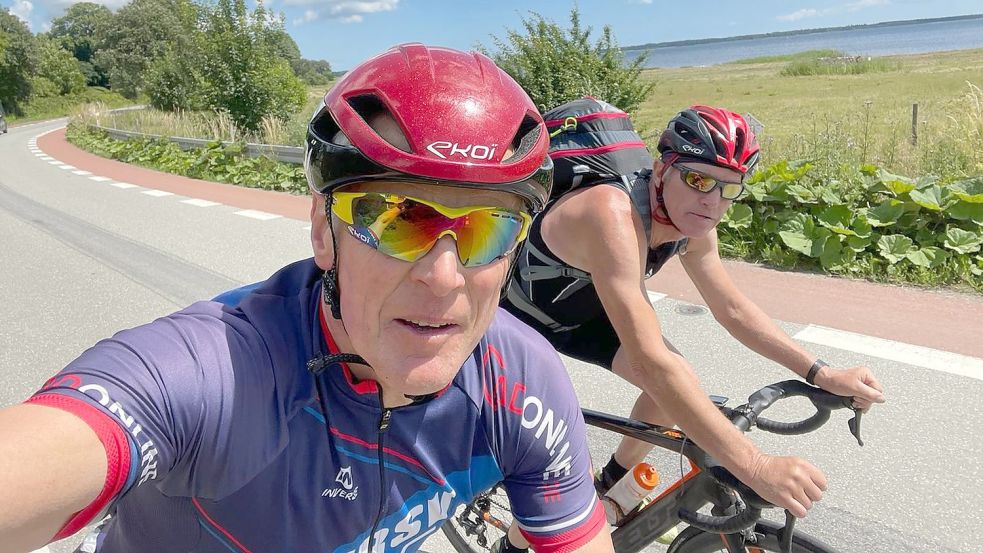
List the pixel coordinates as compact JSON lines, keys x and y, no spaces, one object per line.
{"x":52,"y":465}
{"x":603,"y":236}
{"x":744,"y":320}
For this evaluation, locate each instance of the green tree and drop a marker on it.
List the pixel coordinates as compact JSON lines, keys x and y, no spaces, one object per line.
{"x":77,"y":31}
{"x":173,"y":82}
{"x":139,"y":33}
{"x":57,"y":70}
{"x":240,"y":70}
{"x":17,"y":61}
{"x":556,"y":65}
{"x":313,"y":72}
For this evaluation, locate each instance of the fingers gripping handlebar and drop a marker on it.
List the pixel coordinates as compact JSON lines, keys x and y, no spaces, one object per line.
{"x":747,"y":416}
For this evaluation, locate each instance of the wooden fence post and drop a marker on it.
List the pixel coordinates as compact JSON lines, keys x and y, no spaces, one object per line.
{"x":914,"y":124}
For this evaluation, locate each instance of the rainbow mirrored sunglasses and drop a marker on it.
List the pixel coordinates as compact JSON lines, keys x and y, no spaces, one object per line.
{"x":705,"y":183}
{"x":407,"y":228}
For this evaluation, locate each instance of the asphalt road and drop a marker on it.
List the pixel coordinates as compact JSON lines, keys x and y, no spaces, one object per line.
{"x":82,"y":259}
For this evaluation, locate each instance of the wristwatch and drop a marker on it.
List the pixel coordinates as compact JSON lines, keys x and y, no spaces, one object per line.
{"x":814,"y":369}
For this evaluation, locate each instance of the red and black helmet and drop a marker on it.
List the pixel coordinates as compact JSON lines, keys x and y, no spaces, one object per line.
{"x":711,"y":135}
{"x":459,"y":112}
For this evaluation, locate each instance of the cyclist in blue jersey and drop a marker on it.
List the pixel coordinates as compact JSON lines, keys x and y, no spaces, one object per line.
{"x":352,"y":401}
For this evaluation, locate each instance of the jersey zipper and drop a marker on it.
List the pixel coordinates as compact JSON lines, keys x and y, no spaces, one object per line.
{"x":384,"y":422}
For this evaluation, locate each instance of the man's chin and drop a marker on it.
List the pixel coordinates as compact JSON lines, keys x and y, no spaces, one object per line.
{"x":425,"y":375}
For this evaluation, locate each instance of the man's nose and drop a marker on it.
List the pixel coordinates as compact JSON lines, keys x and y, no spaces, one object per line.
{"x":440,"y":269}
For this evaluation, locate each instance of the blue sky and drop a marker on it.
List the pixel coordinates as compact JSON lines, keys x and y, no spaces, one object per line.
{"x":345,"y":32}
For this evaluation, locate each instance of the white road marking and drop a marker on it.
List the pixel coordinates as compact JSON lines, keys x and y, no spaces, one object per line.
{"x":100,"y":179}
{"x":308,"y":227}
{"x":199,"y":203}
{"x":57,"y":163}
{"x":123,"y":185}
{"x":655,"y":296}
{"x":67,"y":167}
{"x":46,"y":158}
{"x":157,"y":193}
{"x":261,"y":215}
{"x":944,"y":361}
{"x":82,"y":173}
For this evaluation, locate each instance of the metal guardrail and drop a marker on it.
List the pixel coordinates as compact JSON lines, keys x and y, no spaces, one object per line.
{"x":286,"y":154}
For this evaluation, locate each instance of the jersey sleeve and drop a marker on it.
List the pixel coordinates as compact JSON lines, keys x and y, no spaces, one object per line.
{"x":544,"y":453}
{"x":176,"y":389}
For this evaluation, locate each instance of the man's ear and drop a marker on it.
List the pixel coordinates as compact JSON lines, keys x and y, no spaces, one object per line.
{"x":320,"y":233}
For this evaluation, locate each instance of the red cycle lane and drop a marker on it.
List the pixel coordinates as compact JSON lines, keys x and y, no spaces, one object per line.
{"x":947,"y":321}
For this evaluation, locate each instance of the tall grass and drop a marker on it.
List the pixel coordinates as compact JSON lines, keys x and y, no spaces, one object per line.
{"x":838,"y":66}
{"x":806,"y":55}
{"x":206,"y":125}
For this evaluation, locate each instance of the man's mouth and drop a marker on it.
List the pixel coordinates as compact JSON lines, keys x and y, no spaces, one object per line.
{"x":425,"y":326}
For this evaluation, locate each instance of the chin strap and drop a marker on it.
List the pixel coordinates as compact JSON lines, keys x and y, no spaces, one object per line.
{"x":317,"y":365}
{"x":329,"y":280}
{"x":660,"y":214}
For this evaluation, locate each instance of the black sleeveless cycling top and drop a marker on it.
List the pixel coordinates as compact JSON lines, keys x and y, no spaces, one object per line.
{"x":560,"y":297}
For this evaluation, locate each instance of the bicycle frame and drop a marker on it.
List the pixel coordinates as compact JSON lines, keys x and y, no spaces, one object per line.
{"x":694,"y":490}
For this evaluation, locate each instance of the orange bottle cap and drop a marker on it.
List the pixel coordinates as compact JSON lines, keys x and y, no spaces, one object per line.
{"x":646,"y":476}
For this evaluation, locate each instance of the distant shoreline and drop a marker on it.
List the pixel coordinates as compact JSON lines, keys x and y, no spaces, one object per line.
{"x":654,"y":45}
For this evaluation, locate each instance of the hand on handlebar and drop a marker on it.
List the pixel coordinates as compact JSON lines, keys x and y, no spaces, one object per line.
{"x":789,"y":482}
{"x":856,"y":382}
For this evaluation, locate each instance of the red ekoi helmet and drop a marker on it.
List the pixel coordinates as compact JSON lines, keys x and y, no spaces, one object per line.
{"x":466,"y":121}
{"x":711,"y":135}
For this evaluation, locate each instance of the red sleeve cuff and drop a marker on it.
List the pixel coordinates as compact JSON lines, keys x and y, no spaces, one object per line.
{"x":572,"y":539}
{"x":117,"y":447}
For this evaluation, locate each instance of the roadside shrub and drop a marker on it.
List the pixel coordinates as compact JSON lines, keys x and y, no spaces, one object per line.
{"x":870,"y":224}
{"x":555,"y":65}
{"x":216,"y":162}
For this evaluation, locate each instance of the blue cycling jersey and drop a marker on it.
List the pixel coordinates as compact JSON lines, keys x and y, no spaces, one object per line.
{"x":232,"y":449}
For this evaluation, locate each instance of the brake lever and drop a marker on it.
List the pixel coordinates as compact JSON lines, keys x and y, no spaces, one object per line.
{"x":854,"y":425}
{"x":785,"y":541}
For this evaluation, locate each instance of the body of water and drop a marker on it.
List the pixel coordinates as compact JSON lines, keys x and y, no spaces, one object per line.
{"x":877,"y":41}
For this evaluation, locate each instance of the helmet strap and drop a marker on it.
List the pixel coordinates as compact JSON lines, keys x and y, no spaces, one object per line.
{"x":329,"y":280}
{"x":660,"y":214}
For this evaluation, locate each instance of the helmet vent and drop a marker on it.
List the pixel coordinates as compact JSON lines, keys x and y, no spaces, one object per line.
{"x":525,"y":137}
{"x":326,"y":130}
{"x":377,"y":116}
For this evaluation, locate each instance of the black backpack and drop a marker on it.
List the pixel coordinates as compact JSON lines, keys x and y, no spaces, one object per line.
{"x":592,"y":141}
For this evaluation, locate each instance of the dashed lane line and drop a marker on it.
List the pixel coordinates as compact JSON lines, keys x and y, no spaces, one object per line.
{"x":100,"y":179}
{"x":261,"y":215}
{"x":199,"y":203}
{"x":123,"y":185}
{"x":655,"y":296}
{"x":943,"y":361}
{"x":81,"y":173}
{"x":157,"y":193}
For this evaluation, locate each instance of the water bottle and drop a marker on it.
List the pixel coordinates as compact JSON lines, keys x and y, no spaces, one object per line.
{"x":628,"y":492}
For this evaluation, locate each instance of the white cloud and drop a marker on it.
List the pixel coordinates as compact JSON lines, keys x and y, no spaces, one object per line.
{"x":22,"y":9}
{"x":848,"y":7}
{"x":345,"y":11}
{"x":641,"y":1}
{"x":309,"y":15}
{"x":801,"y":14}
{"x":861,"y":4}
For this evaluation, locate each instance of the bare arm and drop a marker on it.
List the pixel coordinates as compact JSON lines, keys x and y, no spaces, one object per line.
{"x":52,"y":465}
{"x":745,"y":321}
{"x":604,"y":236}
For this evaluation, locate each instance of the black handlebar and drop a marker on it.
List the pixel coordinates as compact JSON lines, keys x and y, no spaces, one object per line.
{"x":747,"y":416}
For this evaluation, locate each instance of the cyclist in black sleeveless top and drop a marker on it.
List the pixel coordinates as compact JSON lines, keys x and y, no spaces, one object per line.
{"x":580,"y":281}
